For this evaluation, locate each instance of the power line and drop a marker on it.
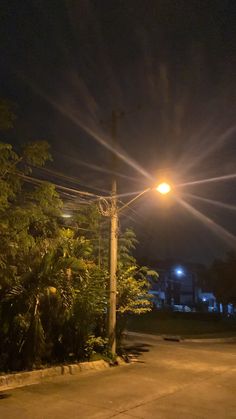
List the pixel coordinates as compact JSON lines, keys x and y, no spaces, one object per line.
{"x":64,"y":188}
{"x":68,"y":178}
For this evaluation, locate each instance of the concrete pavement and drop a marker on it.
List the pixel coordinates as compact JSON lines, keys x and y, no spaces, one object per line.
{"x":168,"y":380}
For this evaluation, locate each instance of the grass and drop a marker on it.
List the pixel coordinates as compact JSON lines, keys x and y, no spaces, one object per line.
{"x":183,"y":324}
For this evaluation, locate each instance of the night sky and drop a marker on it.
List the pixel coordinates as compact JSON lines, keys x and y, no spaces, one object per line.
{"x":168,"y":67}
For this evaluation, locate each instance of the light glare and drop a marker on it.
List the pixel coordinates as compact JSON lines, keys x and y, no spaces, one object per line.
{"x":66,"y":215}
{"x":163,"y":188}
{"x":179,"y":272}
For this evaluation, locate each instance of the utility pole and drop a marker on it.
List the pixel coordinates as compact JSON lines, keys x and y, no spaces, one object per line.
{"x":113,"y":247}
{"x":113,"y":238}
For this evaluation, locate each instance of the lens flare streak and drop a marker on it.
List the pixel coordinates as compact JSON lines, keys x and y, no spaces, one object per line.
{"x":101,"y":169}
{"x":122,"y":155}
{"x":209,"y":180}
{"x":212,"y":225}
{"x":211,"y":201}
{"x":214,"y":145}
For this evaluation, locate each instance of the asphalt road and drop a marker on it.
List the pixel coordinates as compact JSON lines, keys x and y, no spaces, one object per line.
{"x":167,"y":380}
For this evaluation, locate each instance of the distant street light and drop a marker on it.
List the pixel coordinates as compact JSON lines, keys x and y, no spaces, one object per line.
{"x":179,"y":271}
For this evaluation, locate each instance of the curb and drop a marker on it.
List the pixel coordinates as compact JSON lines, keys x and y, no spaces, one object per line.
{"x":181,"y":339}
{"x":158,"y":338}
{"x":211,"y":340}
{"x":21,"y":379}
{"x":144,"y":335}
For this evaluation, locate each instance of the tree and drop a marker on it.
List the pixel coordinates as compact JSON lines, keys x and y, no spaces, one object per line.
{"x":132,"y":284}
{"x":28,"y":228}
{"x":54,"y":278}
{"x":25,"y":214}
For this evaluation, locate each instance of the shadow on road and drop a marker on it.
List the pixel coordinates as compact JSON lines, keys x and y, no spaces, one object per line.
{"x":134,"y":351}
{"x":4,"y":395}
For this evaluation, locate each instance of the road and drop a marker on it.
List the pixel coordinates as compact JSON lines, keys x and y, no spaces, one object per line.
{"x":167,"y":380}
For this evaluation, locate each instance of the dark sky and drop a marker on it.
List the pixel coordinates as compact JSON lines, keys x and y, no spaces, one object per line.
{"x":169,"y":67}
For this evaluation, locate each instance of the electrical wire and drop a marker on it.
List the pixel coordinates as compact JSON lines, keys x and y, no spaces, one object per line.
{"x":64,"y":188}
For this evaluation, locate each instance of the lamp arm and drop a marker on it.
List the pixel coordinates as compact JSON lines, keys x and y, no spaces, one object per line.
{"x":134,"y":199}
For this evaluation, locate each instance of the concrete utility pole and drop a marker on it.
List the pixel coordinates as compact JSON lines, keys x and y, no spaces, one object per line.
{"x":113,"y":248}
{"x":114,"y":237}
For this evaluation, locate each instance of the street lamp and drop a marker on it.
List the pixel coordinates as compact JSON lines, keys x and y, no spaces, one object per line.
{"x":163,"y":188}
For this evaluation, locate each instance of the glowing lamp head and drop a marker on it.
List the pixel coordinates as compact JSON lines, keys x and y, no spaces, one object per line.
{"x":163,"y":188}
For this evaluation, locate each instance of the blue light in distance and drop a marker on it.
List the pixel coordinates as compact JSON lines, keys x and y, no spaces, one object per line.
{"x":179,"y":271}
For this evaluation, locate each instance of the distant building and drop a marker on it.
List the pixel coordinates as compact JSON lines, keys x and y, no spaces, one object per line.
{"x":178,"y":288}
{"x":209,"y":300}
{"x":177,"y":285}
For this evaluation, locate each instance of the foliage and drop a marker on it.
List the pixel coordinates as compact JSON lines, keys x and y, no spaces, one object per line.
{"x":54,"y":279}
{"x":96,"y":345}
{"x":133,"y":294}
